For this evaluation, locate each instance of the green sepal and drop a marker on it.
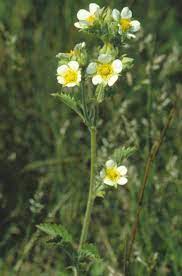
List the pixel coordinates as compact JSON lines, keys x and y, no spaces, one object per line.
{"x":100,"y":93}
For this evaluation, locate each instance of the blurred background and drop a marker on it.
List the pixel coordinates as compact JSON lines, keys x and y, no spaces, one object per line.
{"x":44,"y":148}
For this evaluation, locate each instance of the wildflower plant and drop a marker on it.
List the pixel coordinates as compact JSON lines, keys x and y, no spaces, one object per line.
{"x":86,"y":76}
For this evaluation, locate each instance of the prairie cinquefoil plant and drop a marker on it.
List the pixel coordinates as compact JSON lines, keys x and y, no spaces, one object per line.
{"x":86,"y":77}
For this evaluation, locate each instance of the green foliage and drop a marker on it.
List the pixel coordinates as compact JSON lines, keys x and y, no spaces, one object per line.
{"x":89,"y":251}
{"x":87,"y":256}
{"x":83,"y":258}
{"x":122,"y":153}
{"x":70,"y":102}
{"x":55,"y":230}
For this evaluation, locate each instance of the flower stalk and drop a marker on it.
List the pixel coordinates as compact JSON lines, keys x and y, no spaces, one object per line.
{"x":91,"y":195}
{"x":102,"y":67}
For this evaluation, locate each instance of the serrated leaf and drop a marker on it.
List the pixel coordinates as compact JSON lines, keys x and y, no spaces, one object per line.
{"x":56,"y":230}
{"x":122,"y":153}
{"x":89,"y":251}
{"x":70,"y":102}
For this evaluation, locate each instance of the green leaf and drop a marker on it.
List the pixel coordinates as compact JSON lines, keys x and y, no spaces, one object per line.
{"x":70,"y":102}
{"x":122,"y":153}
{"x":56,"y":230}
{"x":89,"y":251}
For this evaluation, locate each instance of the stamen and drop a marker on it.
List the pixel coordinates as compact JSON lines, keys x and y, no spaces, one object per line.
{"x":112,"y":174}
{"x":104,"y":70}
{"x":125,"y":24}
{"x":91,"y":19}
{"x":70,"y":76}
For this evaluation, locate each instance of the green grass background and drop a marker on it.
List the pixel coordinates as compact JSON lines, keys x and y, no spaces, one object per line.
{"x":44,"y":148}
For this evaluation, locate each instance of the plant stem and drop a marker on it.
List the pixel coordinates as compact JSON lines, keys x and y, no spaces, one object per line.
{"x":85,"y":110}
{"x":151,"y":157}
{"x":91,"y":189}
{"x":149,"y":112}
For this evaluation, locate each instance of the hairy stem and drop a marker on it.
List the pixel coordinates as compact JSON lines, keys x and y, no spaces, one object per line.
{"x":90,"y":201}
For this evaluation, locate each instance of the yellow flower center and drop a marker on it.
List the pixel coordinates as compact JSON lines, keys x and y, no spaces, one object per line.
{"x":112,"y":174}
{"x":91,"y":19}
{"x":104,"y":70}
{"x":70,"y":76}
{"x":125,"y":24}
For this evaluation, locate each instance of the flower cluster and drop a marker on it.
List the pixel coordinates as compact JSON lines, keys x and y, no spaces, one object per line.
{"x":84,"y":68}
{"x":113,"y":27}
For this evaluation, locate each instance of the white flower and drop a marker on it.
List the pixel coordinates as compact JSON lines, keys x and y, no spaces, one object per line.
{"x":105,"y":70}
{"x":81,"y":45}
{"x":87,"y":18}
{"x":69,"y":75}
{"x":113,"y":175}
{"x":125,"y":22}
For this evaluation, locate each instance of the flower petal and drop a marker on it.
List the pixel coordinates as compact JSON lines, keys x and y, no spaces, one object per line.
{"x":112,"y":80}
{"x":80,"y":25}
{"x":79,"y":76}
{"x":117,"y":65}
{"x":102,"y":174}
{"x":71,"y":84}
{"x":77,"y":25}
{"x":60,"y":80}
{"x":110,"y":164}
{"x":83,"y":14}
{"x":116,"y":15}
{"x":93,"y":8}
{"x":73,"y":65}
{"x":109,"y":182}
{"x":135,"y":26}
{"x":130,"y":36}
{"x":92,"y":68}
{"x":122,"y":181}
{"x":96,"y":79}
{"x":82,"y":44}
{"x":122,"y":170}
{"x":126,"y":13}
{"x":104,"y":58}
{"x":62,"y":69}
